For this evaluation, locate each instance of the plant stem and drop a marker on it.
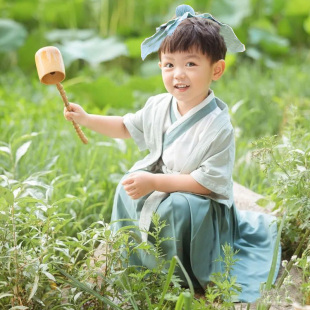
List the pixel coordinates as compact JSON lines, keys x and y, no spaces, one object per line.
{"x":15,"y":250}
{"x":104,"y":18}
{"x":180,"y":302}
{"x":281,"y":167}
{"x":166,"y":286}
{"x":291,"y":262}
{"x":275,"y":256}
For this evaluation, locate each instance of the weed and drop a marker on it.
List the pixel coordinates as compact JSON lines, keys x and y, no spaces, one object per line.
{"x":223,"y":290}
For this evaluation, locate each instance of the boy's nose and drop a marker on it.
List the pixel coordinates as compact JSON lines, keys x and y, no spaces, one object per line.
{"x":179,"y":73}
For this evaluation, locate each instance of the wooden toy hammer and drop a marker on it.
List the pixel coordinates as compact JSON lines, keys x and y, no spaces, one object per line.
{"x":51,"y":70}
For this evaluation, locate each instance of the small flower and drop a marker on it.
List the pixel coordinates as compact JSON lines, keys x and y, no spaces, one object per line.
{"x":294,"y":257}
{"x":284,"y":263}
{"x":288,"y":280}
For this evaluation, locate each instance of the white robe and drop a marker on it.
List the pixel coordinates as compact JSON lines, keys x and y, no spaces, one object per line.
{"x":211,"y":160}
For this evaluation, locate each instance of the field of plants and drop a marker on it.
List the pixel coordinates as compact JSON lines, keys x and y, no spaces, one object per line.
{"x":56,"y":194}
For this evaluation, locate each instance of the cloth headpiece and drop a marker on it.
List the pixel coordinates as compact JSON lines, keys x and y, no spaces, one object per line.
{"x":152,"y":44}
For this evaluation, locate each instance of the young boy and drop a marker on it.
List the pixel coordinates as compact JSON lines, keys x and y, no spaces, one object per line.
{"x":187,"y":176}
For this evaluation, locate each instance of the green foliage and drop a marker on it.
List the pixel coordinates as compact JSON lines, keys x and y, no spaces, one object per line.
{"x":223,"y":290}
{"x":270,"y":29}
{"x":226,"y":287}
{"x":268,"y":288}
{"x":259,"y":99}
{"x":304,"y":263}
{"x":43,"y":266}
{"x":285,"y":161}
{"x":90,"y":50}
{"x":12,"y":35}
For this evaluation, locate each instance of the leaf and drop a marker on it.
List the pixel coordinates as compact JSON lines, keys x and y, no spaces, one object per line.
{"x":63,"y":35}
{"x":91,"y":50}
{"x":231,"y":12}
{"x":36,"y":183}
{"x":180,"y":302}
{"x":21,"y":151}
{"x":29,"y":200}
{"x":254,"y":53}
{"x":134,"y":47}
{"x":104,"y":91}
{"x":121,"y":145}
{"x":191,"y":287}
{"x":34,"y":288}
{"x":268,"y":41}
{"x":24,"y":138}
{"x":64,"y":251}
{"x":297,"y":7}
{"x":301,"y":168}
{"x":263,"y":202}
{"x":3,"y":295}
{"x":12,"y":35}
{"x":236,"y":106}
{"x":34,"y":193}
{"x":52,"y":162}
{"x":301,"y":152}
{"x":7,"y":195}
{"x":64,"y":200}
{"x":273,"y":268}
{"x":5,"y":149}
{"x":76,"y":283}
{"x":168,"y":281}
{"x":76,"y":296}
{"x":49,"y":276}
{"x":307,"y":25}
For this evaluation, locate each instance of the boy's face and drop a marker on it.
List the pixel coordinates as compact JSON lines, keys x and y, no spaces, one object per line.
{"x":188,"y":75}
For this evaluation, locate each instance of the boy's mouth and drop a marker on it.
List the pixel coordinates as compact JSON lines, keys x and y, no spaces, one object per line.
{"x":181,"y":86}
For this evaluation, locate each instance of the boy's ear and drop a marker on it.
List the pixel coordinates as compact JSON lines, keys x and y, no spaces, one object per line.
{"x":218,"y":69}
{"x":159,"y":64}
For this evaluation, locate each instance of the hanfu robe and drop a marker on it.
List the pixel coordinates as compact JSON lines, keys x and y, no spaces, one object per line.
{"x":199,"y":143}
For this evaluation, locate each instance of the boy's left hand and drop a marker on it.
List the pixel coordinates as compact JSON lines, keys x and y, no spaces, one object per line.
{"x":138,"y":184}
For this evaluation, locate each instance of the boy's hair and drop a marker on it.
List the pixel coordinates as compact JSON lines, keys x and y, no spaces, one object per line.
{"x":196,"y":33}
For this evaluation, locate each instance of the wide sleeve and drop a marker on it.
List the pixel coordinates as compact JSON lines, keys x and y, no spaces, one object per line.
{"x":216,"y":168}
{"x":134,"y":123}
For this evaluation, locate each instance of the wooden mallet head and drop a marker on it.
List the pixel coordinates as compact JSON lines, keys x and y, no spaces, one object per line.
{"x":51,"y":70}
{"x":50,"y":66}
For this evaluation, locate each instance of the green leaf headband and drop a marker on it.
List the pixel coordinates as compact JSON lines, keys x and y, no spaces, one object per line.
{"x":182,"y":12}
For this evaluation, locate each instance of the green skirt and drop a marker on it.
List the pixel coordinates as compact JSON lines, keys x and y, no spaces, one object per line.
{"x":199,"y":227}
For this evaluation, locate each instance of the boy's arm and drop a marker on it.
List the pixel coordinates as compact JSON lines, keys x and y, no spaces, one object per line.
{"x":139,"y":184}
{"x":111,"y":126}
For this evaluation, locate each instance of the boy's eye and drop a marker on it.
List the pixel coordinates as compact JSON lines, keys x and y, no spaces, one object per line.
{"x":168,"y":65}
{"x":190,"y":64}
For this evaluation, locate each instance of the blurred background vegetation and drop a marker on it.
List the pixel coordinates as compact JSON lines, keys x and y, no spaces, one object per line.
{"x":96,"y":31}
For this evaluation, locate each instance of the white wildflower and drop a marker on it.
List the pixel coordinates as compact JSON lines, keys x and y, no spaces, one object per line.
{"x":284,"y":263}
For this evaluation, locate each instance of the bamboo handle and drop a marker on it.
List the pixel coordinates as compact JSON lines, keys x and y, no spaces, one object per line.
{"x":67,"y":105}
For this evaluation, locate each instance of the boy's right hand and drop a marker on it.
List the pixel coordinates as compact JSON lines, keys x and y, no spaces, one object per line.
{"x":76,"y":114}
